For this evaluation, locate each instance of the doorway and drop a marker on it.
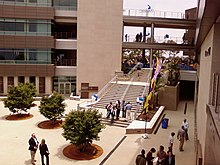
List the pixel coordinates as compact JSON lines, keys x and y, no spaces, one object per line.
{"x":64,"y":88}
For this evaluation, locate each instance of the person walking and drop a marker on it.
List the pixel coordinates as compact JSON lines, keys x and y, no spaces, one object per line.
{"x":161,"y":154}
{"x":128,"y":111}
{"x":44,"y":152}
{"x":170,"y":159}
{"x":186,"y":127}
{"x":181,"y":136}
{"x":33,"y":145}
{"x":150,"y":157}
{"x":140,"y":159}
{"x":171,"y":141}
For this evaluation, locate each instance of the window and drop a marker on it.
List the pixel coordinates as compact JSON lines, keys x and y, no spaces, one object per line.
{"x":33,"y":1}
{"x":32,"y":80}
{"x":42,"y":85}
{"x":1,"y":85}
{"x":21,"y":79}
{"x":10,"y":82}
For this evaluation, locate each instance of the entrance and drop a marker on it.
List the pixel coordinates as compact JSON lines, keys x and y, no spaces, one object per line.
{"x":64,"y":88}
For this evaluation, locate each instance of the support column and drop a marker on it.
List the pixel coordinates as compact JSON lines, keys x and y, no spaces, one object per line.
{"x":5,"y":85}
{"x":48,"y":85}
{"x":26,"y":79}
{"x":16,"y":81}
{"x":143,"y":50}
{"x":37,"y":84}
{"x":152,"y":41}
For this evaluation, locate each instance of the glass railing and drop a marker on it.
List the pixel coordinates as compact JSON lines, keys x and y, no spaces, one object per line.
{"x":157,"y":39}
{"x":64,"y":35}
{"x":65,"y":7}
{"x":25,"y":33}
{"x":25,"y":4}
{"x":64,"y":62}
{"x":153,"y":13}
{"x":23,"y":62}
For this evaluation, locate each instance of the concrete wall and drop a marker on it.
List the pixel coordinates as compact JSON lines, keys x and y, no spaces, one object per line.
{"x":169,"y":97}
{"x":99,"y":41}
{"x":204,"y":90}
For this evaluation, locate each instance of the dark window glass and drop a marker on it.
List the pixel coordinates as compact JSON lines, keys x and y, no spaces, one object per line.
{"x":1,"y":85}
{"x":32,"y":54}
{"x":32,"y":27}
{"x":10,"y":26}
{"x":2,"y":26}
{"x":42,"y":85}
{"x":32,"y":79}
{"x":33,"y":1}
{"x":10,"y":82}
{"x":21,"y":79}
{"x":20,"y":26}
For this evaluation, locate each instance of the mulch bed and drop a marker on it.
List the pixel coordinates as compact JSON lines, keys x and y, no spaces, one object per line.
{"x":148,"y":116}
{"x":19,"y":117}
{"x":48,"y":124}
{"x":72,"y":152}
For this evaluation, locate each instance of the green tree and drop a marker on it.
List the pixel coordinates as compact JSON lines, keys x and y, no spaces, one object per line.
{"x":52,"y":107}
{"x":20,"y":98}
{"x":81,"y":127}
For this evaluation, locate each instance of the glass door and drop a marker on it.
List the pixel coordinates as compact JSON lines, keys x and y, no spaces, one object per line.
{"x":64,"y":88}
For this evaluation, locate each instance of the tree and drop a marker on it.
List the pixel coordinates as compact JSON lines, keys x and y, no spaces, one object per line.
{"x":81,"y":127}
{"x":20,"y":98}
{"x":52,"y":107}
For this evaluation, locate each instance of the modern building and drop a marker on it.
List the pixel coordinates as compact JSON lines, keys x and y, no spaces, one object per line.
{"x":75,"y":47}
{"x":68,"y":46}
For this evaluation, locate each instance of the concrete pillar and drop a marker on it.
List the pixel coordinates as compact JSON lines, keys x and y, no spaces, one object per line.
{"x":48,"y":85}
{"x":26,"y":79}
{"x":37,"y":84}
{"x":152,"y":41}
{"x":16,"y":81}
{"x":5,"y":85}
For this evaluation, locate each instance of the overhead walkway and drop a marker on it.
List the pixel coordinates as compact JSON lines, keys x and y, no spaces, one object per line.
{"x":145,"y":21}
{"x":158,"y":46}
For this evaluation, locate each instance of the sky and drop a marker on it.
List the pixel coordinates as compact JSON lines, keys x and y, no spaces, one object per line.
{"x":159,"y":5}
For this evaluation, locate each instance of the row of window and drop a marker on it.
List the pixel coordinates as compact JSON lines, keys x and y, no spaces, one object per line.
{"x":71,"y":4}
{"x":21,"y":26}
{"x":61,"y":84}
{"x":21,"y":79}
{"x":25,"y":55}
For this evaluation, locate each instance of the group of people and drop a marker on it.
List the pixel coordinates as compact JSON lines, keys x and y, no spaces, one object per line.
{"x":162,"y":158}
{"x":34,"y":145}
{"x":114,"y":110}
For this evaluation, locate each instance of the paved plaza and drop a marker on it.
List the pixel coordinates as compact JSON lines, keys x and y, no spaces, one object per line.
{"x":15,"y":135}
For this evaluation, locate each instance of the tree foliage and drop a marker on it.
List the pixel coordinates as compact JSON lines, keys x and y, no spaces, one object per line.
{"x":20,"y":98}
{"x":52,"y":107}
{"x":82,"y":127}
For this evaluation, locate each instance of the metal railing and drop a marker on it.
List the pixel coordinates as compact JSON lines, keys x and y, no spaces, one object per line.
{"x":153,"y":13}
{"x":24,"y":62}
{"x":64,"y":35}
{"x":157,"y":39}
{"x":64,"y":62}
{"x":148,"y":83}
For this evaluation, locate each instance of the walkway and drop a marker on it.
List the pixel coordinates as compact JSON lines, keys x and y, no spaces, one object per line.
{"x":15,"y":134}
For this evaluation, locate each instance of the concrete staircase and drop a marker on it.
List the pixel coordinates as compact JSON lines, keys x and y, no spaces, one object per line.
{"x":117,"y":123}
{"x":114,"y":93}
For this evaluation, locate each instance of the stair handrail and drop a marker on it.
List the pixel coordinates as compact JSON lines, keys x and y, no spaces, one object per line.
{"x":107,"y":85}
{"x":148,"y":82}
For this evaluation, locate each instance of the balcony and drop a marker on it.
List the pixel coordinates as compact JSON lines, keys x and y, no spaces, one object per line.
{"x":64,"y":62}
{"x":65,"y":35}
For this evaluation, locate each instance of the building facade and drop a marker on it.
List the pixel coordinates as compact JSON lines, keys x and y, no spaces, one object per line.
{"x":57,"y":44}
